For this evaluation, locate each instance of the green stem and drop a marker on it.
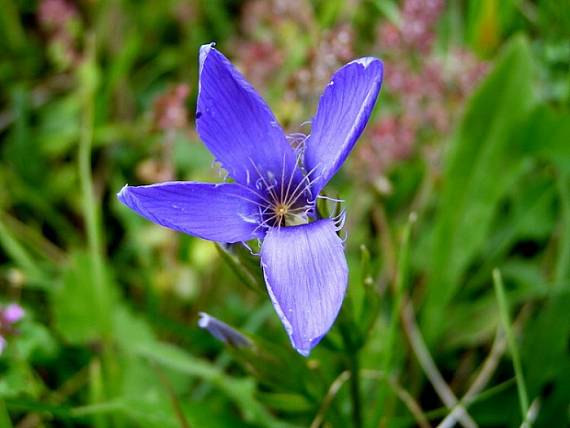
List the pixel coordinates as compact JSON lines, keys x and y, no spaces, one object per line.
{"x":399,"y":288}
{"x":105,"y":374}
{"x":352,"y":350}
{"x":506,"y":321}
{"x":88,"y":82}
{"x":97,"y":395}
{"x":18,"y":253}
{"x":355,"y":389}
{"x":563,"y":263}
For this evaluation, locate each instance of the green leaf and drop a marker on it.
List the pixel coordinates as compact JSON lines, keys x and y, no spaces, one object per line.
{"x":483,"y":161}
{"x":287,"y":402}
{"x":77,"y":317}
{"x":546,"y":135}
{"x":241,"y":391}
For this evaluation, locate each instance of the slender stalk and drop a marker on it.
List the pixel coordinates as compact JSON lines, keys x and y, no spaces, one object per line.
{"x":513,"y":349}
{"x":107,"y":371}
{"x":399,"y":288}
{"x":355,"y":390}
{"x":90,"y":209}
{"x":427,"y":363}
{"x":483,"y":377}
{"x":17,"y":252}
{"x":353,"y":367}
{"x":331,"y":394}
{"x":563,"y":263}
{"x":406,"y":398}
{"x":96,"y":391}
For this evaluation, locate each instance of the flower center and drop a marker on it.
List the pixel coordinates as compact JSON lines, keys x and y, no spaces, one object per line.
{"x":281,"y":210}
{"x":287,"y":215}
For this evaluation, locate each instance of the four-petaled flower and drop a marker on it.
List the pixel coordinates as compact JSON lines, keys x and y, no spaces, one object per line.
{"x":274,"y":189}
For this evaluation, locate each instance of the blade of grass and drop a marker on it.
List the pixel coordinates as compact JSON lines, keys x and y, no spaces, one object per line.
{"x":88,"y":84}
{"x":399,"y":287}
{"x":406,"y":398}
{"x":17,"y":252}
{"x":425,"y":359}
{"x":4,"y":416}
{"x":96,"y":391}
{"x":513,"y":349}
{"x":563,"y":263}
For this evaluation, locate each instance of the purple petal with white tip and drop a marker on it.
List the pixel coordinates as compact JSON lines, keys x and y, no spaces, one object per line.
{"x":222,"y":331}
{"x":306,"y":276}
{"x":342,"y":114}
{"x":218,"y":212}
{"x":236,"y":124}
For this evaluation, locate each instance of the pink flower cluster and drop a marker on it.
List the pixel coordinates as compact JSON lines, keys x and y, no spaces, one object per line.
{"x":426,"y":91}
{"x":59,"y":19}
{"x":9,"y":316}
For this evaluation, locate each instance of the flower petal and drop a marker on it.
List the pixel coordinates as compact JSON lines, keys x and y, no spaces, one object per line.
{"x":342,"y":114}
{"x":224,"y":212}
{"x":236,"y":124}
{"x":306,"y":276}
{"x":222,"y":331}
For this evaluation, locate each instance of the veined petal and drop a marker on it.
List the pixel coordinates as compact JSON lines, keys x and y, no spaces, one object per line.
{"x":224,"y":212}
{"x":342,"y":114}
{"x":236,"y":124}
{"x":306,"y":276}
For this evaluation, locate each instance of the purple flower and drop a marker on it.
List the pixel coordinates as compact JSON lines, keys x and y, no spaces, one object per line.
{"x":274,"y":189}
{"x":9,"y":316}
{"x":13,"y":313}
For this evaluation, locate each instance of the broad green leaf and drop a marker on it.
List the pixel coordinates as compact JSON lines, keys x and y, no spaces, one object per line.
{"x":484,"y":159}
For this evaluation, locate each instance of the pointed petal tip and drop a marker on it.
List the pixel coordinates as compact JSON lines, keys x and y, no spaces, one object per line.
{"x":304,"y":347}
{"x":123,"y":194}
{"x":205,"y":50}
{"x":342,"y":114}
{"x":203,"y":54}
{"x":236,"y":124}
{"x":367,"y":61}
{"x":306,"y":286}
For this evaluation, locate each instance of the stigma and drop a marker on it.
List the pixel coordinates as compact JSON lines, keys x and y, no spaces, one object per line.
{"x":287,"y":215}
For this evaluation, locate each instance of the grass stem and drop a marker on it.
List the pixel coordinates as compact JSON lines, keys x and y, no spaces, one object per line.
{"x":513,"y":349}
{"x":399,"y":288}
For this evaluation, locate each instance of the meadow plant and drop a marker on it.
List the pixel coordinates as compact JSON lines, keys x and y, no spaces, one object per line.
{"x":275,"y":190}
{"x":441,"y":301}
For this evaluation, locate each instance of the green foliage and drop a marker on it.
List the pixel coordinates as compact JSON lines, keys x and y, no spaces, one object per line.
{"x":110,"y":335}
{"x":484,"y":159}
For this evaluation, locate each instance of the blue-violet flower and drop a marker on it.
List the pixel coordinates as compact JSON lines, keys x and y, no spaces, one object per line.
{"x":275,"y":187}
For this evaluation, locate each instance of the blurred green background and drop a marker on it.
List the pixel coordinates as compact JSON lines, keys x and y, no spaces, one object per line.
{"x":463,"y":170}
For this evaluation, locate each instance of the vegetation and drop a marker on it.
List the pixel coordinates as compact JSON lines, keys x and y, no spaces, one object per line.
{"x":457,"y":227}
